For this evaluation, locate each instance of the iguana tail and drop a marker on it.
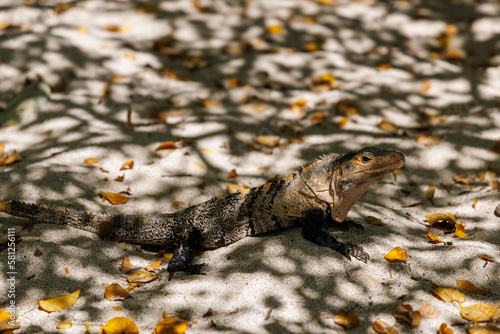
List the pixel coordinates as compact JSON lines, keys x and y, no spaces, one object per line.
{"x":149,"y":229}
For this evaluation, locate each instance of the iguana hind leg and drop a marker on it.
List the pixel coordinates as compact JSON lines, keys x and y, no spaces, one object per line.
{"x":315,"y":233}
{"x":183,"y":256}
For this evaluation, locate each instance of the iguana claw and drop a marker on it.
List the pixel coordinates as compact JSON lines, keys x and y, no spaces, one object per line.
{"x":357,"y":252}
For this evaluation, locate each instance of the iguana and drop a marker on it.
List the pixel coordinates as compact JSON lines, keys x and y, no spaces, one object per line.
{"x":316,"y":197}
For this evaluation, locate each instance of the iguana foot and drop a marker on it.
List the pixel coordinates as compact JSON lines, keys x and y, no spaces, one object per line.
{"x":192,"y":269}
{"x":347,"y":249}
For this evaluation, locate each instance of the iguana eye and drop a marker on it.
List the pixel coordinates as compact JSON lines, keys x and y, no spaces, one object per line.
{"x":366,"y":158}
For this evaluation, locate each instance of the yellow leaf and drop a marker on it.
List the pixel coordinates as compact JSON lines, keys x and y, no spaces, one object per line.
{"x":128,"y":165}
{"x":64,"y":325}
{"x":7,"y":322}
{"x":382,"y":327}
{"x":197,"y":165}
{"x":471,"y":288}
{"x":232,"y":174}
{"x":342,"y":122}
{"x":171,"y":325}
{"x":210,"y":103}
{"x":170,"y":145}
{"x":328,"y":78}
{"x":459,"y":232}
{"x":91,"y":161}
{"x":120,"y":325}
{"x":318,"y":117}
{"x":298,"y":106}
{"x":346,"y":108}
{"x":383,"y":67}
{"x":233,"y":188}
{"x":433,"y":239}
{"x":113,"y":198}
{"x":81,"y":30}
{"x":207,"y":150}
{"x":168,"y":256}
{"x":494,"y":184}
{"x":348,"y":319}
{"x":430,"y":193}
{"x":426,"y":85}
{"x":115,"y":292}
{"x":125,"y":266}
{"x":448,"y":294}
{"x":375,"y":221}
{"x":486,"y":258}
{"x":269,"y":141}
{"x":396,"y":255}
{"x":428,"y":312}
{"x":154,"y":266}
{"x":441,"y":217}
{"x":14,"y":157}
{"x":387,"y":125}
{"x":275,"y":29}
{"x":59,"y":303}
{"x":141,"y":276}
{"x":477,"y":312}
{"x":444,"y":329}
{"x":311,"y":47}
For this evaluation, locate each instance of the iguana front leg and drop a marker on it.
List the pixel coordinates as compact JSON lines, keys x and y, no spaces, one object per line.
{"x":183,"y":256}
{"x":316,"y":233}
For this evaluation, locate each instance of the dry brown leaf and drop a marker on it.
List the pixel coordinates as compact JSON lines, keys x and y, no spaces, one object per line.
{"x":433,"y":239}
{"x":381,"y":327}
{"x":342,"y":122}
{"x":426,"y":85}
{"x":120,"y":178}
{"x":154,"y":266}
{"x":2,"y":147}
{"x":448,"y":294}
{"x":232,"y":174}
{"x":427,"y":140}
{"x":299,"y":106}
{"x":141,"y":276}
{"x":115,"y":28}
{"x":117,"y":308}
{"x":176,"y":204}
{"x":367,"y":277}
{"x":91,"y":161}
{"x":435,"y":218}
{"x":485,"y":258}
{"x":348,"y":319}
{"x":471,"y":288}
{"x":494,"y":184}
{"x":486,"y":175}
{"x":444,"y":329}
{"x":477,"y":312}
{"x":297,"y":138}
{"x":428,"y":311}
{"x":311,"y":47}
{"x":210,"y":103}
{"x":269,"y":141}
{"x":234,"y":188}
{"x":120,"y":325}
{"x":318,"y":117}
{"x":128,"y":165}
{"x":396,"y":255}
{"x":170,"y":145}
{"x":411,"y":317}
{"x":59,"y":303}
{"x":197,"y":165}
{"x":346,"y":108}
{"x":14,"y":157}
{"x":461,"y":179}
{"x":38,"y":252}
{"x":6,"y":323}
{"x":495,"y":148}
{"x":171,"y":325}
{"x":115,"y":292}
{"x":387,"y":125}
{"x":66,"y":271}
{"x":374,"y":221}
{"x":113,"y":198}
{"x":61,"y":8}
{"x":383,"y":67}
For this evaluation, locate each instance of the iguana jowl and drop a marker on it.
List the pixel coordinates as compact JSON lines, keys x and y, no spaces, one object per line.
{"x":316,"y":197}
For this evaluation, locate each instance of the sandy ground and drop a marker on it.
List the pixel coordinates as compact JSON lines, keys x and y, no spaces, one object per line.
{"x":429,"y":69}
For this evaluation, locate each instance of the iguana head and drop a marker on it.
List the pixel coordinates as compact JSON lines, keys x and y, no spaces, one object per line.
{"x":340,"y":180}
{"x":354,"y":172}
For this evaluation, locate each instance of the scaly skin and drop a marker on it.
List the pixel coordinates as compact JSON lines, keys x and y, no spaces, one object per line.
{"x":315,"y":197}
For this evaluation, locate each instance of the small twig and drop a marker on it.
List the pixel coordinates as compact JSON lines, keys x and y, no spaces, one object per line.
{"x":409,"y":216}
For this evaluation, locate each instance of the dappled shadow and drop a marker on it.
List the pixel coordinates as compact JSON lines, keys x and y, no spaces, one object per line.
{"x":407,"y":63}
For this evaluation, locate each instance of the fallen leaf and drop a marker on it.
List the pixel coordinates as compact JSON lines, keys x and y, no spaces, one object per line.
{"x":126,"y":265}
{"x":486,"y":175}
{"x":426,"y":85}
{"x":207,"y":150}
{"x":38,"y":252}
{"x":471,"y":288}
{"x":297,"y":138}
{"x":346,"y":108}
{"x":318,"y":117}
{"x":269,"y":141}
{"x":387,"y":125}
{"x":342,"y":122}
{"x":170,"y":145}
{"x":117,"y":308}
{"x":120,"y":325}
{"x":115,"y":292}
{"x":91,"y":161}
{"x":128,"y":165}
{"x":176,"y":204}
{"x":81,"y":30}
{"x":115,"y":28}
{"x":374,"y":221}
{"x":427,"y":140}
{"x":382,"y":327}
{"x":64,"y":325}
{"x":461,"y":179}
{"x":2,"y":147}
{"x":154,"y":266}
{"x":7,"y":324}
{"x":66,"y":271}
{"x":436,"y":218}
{"x":141,"y":276}
{"x":448,"y":294}
{"x":232,"y":174}
{"x":197,"y":165}
{"x":428,"y":311}
{"x":120,"y":178}
{"x":171,"y":325}
{"x":396,"y":255}
{"x":494,"y":184}
{"x":234,"y":188}
{"x":61,"y":8}
{"x":298,"y":106}
{"x":210,"y":103}
{"x":485,"y":258}
{"x":459,"y":232}
{"x":348,"y":319}
{"x":14,"y":157}
{"x":59,"y":303}
{"x":444,"y":329}
{"x":477,"y":312}
{"x":311,"y":47}
{"x":383,"y":67}
{"x":433,"y":239}
{"x":430,"y":193}
{"x":113,"y":198}
{"x":413,"y":318}
{"x":495,"y":148}
{"x":275,"y":29}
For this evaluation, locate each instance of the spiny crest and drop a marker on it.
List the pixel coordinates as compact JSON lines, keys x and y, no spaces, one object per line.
{"x":324,"y":158}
